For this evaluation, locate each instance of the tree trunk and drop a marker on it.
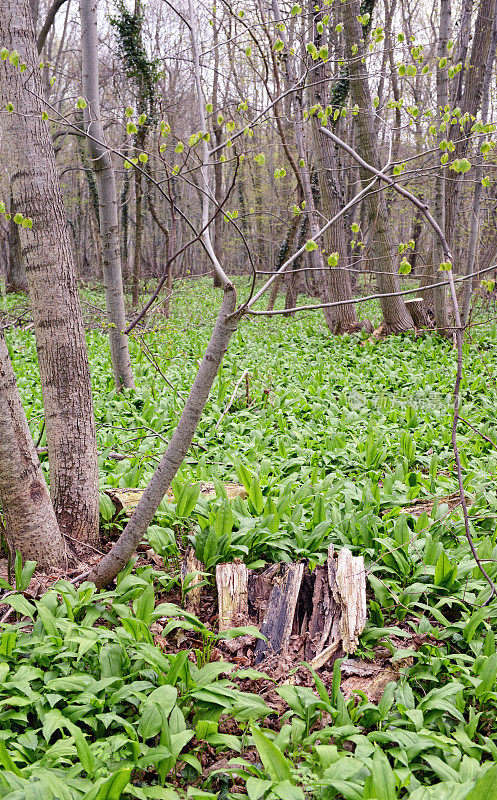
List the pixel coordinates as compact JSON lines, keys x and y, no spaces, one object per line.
{"x":342,"y":318}
{"x":440,"y":293}
{"x":108,"y":205}
{"x":396,"y":316}
{"x":478,"y":190}
{"x":137,"y":256}
{"x":16,"y":274}
{"x":30,"y":520}
{"x":49,"y":262}
{"x":218,"y":138}
{"x":474,"y":76}
{"x":232,"y":593}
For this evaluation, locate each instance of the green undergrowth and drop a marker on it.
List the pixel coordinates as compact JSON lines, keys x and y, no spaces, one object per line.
{"x":91,"y":708}
{"x":343,"y":441}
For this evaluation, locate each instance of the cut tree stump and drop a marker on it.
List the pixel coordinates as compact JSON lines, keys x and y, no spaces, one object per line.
{"x":417,"y":310}
{"x":189,"y":565}
{"x":325,"y":608}
{"x":232,"y":592}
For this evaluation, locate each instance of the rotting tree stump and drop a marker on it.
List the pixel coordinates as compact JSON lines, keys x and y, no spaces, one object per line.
{"x":232,"y":592}
{"x":325,"y":607}
{"x":189,"y":566}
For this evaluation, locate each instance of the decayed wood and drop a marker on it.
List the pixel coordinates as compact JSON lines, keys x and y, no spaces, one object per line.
{"x":325,"y":607}
{"x":191,"y":564}
{"x":351,"y":585}
{"x":323,"y":629}
{"x":232,"y":590}
{"x":318,"y":628}
{"x":325,"y":655}
{"x":259,"y":591}
{"x":278,"y":622}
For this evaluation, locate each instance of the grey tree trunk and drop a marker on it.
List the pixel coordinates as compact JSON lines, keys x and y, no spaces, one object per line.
{"x":137,"y":254}
{"x":440,"y":293}
{"x":30,"y":520}
{"x":108,"y":205}
{"x":396,"y":316}
{"x":16,"y":274}
{"x":478,"y":190}
{"x":471,"y":97}
{"x":342,"y":318}
{"x":48,"y":257}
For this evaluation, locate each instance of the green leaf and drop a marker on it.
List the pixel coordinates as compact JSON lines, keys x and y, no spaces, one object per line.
{"x":165,"y":696}
{"x":111,"y":660}
{"x":488,"y":676}
{"x":485,"y":787}
{"x":255,"y":496}
{"x":85,"y":755}
{"x":445,"y":571}
{"x":6,"y":760}
{"x":150,"y":722}
{"x":107,"y":507}
{"x":47,"y":619}
{"x":176,"y":667}
{"x":21,"y":605}
{"x":287,"y":791}
{"x":187,"y":500}
{"x":112,"y":788}
{"x":275,"y":763}
{"x":145,"y":603}
{"x":210,"y":548}
{"x":381,"y":784}
{"x":223,"y":524}
{"x":244,"y":475}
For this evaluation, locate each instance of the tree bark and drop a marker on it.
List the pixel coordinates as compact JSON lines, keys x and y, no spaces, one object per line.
{"x":16,"y":274}
{"x":282,"y":256}
{"x":49,"y":262}
{"x":232,"y":593}
{"x":480,"y":56}
{"x":440,"y":294}
{"x":137,"y":254}
{"x":342,"y":318}
{"x":108,"y":205}
{"x":478,"y":190}
{"x":30,"y":520}
{"x":396,"y":316}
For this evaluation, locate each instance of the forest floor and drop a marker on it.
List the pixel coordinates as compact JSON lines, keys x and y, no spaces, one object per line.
{"x":343,"y":441}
